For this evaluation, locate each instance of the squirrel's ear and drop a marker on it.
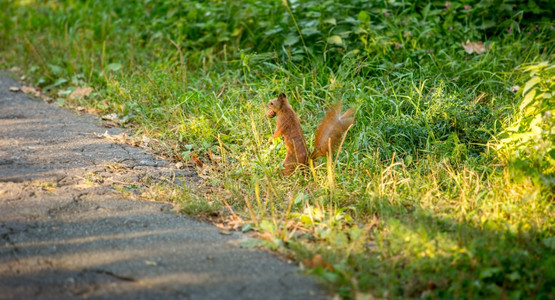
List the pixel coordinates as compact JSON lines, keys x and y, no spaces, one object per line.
{"x":281,"y":96}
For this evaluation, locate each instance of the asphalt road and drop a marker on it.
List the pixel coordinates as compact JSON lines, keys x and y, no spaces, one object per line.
{"x":66,"y":233}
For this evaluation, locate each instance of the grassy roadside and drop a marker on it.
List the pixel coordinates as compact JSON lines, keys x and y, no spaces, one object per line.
{"x":444,"y":186}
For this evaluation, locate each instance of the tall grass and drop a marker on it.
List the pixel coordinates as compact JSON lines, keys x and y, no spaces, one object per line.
{"x":417,"y":204}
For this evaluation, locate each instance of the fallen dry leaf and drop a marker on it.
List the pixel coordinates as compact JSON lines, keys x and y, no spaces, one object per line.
{"x":213,"y":157}
{"x":150,"y":263}
{"x":227,"y":223}
{"x":145,"y":141}
{"x":196,"y":160}
{"x":514,"y":88}
{"x":14,"y":89}
{"x":81,"y":92}
{"x":30,"y":90}
{"x":122,"y":138}
{"x":110,"y":117}
{"x":474,"y":47}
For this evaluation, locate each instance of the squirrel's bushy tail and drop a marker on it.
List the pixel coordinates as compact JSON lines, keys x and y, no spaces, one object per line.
{"x":331,"y":130}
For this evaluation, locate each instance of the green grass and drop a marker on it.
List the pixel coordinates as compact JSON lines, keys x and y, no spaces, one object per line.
{"x":429,"y":196}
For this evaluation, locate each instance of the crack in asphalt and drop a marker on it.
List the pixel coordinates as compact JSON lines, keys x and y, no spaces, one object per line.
{"x":112,"y":274}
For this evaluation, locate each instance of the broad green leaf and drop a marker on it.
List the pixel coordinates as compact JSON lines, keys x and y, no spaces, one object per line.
{"x":487,"y":24}
{"x":335,"y":39}
{"x":355,"y":233}
{"x":273,"y":31}
{"x":310,"y":31}
{"x":527,"y":99}
{"x":246,"y":227}
{"x":64,"y":92}
{"x":237,"y":31}
{"x":56,"y":70}
{"x":114,"y":67}
{"x":306,"y":220}
{"x":330,"y":276}
{"x":267,"y":226}
{"x":331,"y":21}
{"x":41,"y":81}
{"x":59,"y":81}
{"x":544,"y":96}
{"x":513,"y":128}
{"x":350,"y":20}
{"x":299,"y":198}
{"x":536,"y":67}
{"x":549,"y":242}
{"x":514,"y":276}
{"x":518,"y":137}
{"x":525,"y":137}
{"x":488,"y":272}
{"x":535,"y":125}
{"x":297,"y":58}
{"x":531,"y":83}
{"x":291,"y":40}
{"x":363,"y":16}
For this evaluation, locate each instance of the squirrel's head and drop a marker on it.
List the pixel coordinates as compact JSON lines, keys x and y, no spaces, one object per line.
{"x":274,"y":106}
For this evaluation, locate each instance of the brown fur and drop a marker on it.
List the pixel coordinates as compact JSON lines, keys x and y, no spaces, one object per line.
{"x":331,"y":130}
{"x":329,"y":133}
{"x":288,"y":126}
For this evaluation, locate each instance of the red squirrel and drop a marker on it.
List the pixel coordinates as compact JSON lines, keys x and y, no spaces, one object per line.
{"x":329,"y":133}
